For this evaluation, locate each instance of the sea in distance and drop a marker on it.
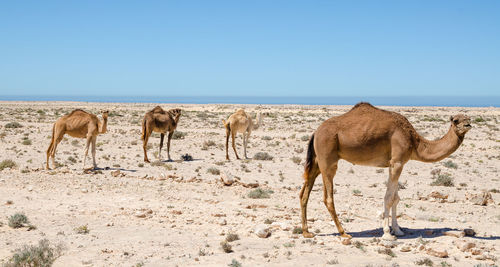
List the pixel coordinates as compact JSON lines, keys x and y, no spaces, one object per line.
{"x":444,"y":101}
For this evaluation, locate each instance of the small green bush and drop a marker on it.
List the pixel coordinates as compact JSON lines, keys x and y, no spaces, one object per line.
{"x":443,"y":180}
{"x":83,"y":229}
{"x":262,"y":156}
{"x":7,"y":164}
{"x":18,"y":220}
{"x":13,"y":125}
{"x":41,"y":255}
{"x":260,"y":193}
{"x":450,"y":164}
{"x":230,"y":237}
{"x":179,"y":135}
{"x":213,"y":171}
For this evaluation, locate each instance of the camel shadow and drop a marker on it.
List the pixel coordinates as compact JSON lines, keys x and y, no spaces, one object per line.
{"x":411,"y":233}
{"x":93,"y":170}
{"x":178,"y":161}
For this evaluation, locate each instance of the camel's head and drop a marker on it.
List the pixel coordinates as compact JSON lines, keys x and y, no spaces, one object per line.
{"x":175,"y":113}
{"x":105,"y":114}
{"x":461,"y":124}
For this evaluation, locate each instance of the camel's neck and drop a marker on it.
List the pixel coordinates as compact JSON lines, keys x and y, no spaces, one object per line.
{"x":259,"y":121}
{"x":103,"y":127}
{"x":432,"y":151}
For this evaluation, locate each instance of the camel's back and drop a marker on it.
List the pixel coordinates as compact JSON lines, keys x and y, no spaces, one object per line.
{"x":78,"y":120}
{"x":239,"y":120}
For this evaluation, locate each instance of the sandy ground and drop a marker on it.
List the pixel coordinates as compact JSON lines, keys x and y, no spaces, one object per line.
{"x":177,"y":213}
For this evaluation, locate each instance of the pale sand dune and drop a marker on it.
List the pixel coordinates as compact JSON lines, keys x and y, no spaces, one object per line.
{"x":177,"y":213}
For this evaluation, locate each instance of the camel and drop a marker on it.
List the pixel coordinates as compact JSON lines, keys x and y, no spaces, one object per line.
{"x":369,"y":136}
{"x":79,"y":124}
{"x":240,"y":122}
{"x":160,"y":121}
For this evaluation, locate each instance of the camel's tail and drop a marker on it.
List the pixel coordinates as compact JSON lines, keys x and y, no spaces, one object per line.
{"x":311,"y":166}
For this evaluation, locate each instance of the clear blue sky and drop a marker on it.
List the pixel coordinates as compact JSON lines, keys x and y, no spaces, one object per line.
{"x":250,"y":48}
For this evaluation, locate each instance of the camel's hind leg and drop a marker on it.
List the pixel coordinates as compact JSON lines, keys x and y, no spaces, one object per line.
{"x":390,"y":199}
{"x":234,"y":145}
{"x":94,"y":138}
{"x":147,"y":134}
{"x":162,"y":136}
{"x":304,"y":198}
{"x":328,"y":172}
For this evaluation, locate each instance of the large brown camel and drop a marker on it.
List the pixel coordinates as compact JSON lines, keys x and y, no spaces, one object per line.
{"x":370,"y":136}
{"x":160,"y":121}
{"x":240,"y":122}
{"x":79,"y":124}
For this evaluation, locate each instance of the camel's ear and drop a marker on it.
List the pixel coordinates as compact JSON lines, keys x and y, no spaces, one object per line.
{"x":455,"y":121}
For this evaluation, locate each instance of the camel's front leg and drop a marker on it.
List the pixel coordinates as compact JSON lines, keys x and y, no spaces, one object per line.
{"x":245,"y":142}
{"x":169,"y":137}
{"x":395,"y":227}
{"x":389,"y":199}
{"x":85,"y":153}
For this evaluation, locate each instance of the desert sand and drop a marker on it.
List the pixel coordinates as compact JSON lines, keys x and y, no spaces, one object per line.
{"x":178,"y":213}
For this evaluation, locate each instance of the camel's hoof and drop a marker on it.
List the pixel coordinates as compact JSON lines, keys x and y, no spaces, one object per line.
{"x":388,"y":236}
{"x":146,"y":160}
{"x":307,"y":235}
{"x":346,"y":235}
{"x":398,"y":232}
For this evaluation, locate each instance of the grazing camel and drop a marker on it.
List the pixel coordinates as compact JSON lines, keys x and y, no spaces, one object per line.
{"x":240,"y":122}
{"x":370,"y":136}
{"x":160,"y":121}
{"x":79,"y":124}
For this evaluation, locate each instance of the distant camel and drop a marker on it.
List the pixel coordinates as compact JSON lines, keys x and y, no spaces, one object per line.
{"x":240,"y":122}
{"x":370,"y":136}
{"x":160,"y":121}
{"x":79,"y":124}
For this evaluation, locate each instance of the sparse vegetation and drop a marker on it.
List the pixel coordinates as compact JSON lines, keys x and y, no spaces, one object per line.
{"x":226,"y":247}
{"x":230,"y":237}
{"x":359,"y":245}
{"x":305,"y":138}
{"x":386,"y":251}
{"x":297,"y":230}
{"x":444,"y":179}
{"x":266,"y":138}
{"x":262,"y":156}
{"x":425,"y":261}
{"x":83,"y":229}
{"x":26,"y":142}
{"x":213,"y":171}
{"x":41,"y":255}
{"x":450,"y":164}
{"x":332,"y":261}
{"x":234,"y":263}
{"x":13,"y":125}
{"x":178,"y":135}
{"x":7,"y":164}
{"x":19,"y":220}
{"x":296,"y":160}
{"x":260,"y":193}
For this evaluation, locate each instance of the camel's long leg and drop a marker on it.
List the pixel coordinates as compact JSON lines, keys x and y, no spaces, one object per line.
{"x":389,"y":199}
{"x":57,"y":137}
{"x":245,"y":140}
{"x":233,"y":133}
{"x":147,"y":134}
{"x":94,"y":138}
{"x":228,"y":131}
{"x":304,"y":198}
{"x":169,"y":137}
{"x":162,"y":136}
{"x":49,"y":150}
{"x":85,"y":153}
{"x":328,"y":173}
{"x":395,"y":227}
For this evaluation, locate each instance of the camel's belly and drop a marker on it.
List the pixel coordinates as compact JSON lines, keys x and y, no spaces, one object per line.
{"x":77,"y":134}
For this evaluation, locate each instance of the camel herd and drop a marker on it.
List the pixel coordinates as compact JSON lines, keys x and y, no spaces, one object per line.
{"x":365,"y":135}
